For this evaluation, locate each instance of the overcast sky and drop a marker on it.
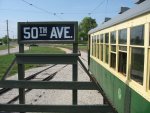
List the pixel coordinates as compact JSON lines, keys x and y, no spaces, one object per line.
{"x":56,"y":10}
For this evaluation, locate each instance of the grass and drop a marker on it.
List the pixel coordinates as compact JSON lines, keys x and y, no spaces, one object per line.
{"x":6,"y":60}
{"x":82,"y":47}
{"x":3,"y":47}
{"x":44,"y":49}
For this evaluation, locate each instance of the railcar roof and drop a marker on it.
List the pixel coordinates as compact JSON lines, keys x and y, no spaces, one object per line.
{"x":129,"y":14}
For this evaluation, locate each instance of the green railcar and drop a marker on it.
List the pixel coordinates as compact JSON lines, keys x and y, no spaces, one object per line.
{"x":119,"y":59}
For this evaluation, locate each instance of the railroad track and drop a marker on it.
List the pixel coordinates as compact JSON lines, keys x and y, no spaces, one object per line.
{"x":31,"y":77}
{"x":48,"y":78}
{"x":45,"y":79}
{"x":5,"y":90}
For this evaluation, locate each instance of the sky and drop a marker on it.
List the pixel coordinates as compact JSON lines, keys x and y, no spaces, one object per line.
{"x":56,"y":10}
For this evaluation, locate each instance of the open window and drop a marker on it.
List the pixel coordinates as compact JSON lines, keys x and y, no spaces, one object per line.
{"x":113,"y":60}
{"x":122,"y":62}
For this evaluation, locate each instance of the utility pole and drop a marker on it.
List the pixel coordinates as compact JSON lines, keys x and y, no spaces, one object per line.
{"x":8,"y":37}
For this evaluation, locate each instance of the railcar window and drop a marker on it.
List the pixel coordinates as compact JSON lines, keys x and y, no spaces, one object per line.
{"x":113,"y":60}
{"x":113,"y":37}
{"x":137,"y":35}
{"x":113,"y":48}
{"x":101,"y":38}
{"x":92,"y":46}
{"x":123,"y":48}
{"x":107,"y":38}
{"x":98,"y":47}
{"x":101,"y":55}
{"x":123,"y":36}
{"x":137,"y":64}
{"x":122,"y":62}
{"x":149,"y":68}
{"x":101,"y":46}
{"x":95,"y":45}
{"x":106,"y":47}
{"x":107,"y":53}
{"x":98,"y":39}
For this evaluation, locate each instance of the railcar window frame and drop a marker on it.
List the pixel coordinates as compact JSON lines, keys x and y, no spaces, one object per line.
{"x":137,"y":77}
{"x":113,"y":50}
{"x":94,"y":45}
{"x":121,"y":36}
{"x":122,"y":53}
{"x":149,"y":68}
{"x":97,"y":46}
{"x":137,"y":30}
{"x":101,"y":47}
{"x":137,"y":46}
{"x":106,"y":48}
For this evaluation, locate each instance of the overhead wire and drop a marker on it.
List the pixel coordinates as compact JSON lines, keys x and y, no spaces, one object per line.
{"x":101,"y":3}
{"x":61,"y":13}
{"x":44,"y":10}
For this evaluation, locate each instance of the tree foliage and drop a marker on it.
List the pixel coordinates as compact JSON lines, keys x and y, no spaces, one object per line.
{"x":85,"y":25}
{"x":4,"y":40}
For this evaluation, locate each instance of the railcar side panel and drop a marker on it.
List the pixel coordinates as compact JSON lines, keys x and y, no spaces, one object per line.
{"x":122,"y":97}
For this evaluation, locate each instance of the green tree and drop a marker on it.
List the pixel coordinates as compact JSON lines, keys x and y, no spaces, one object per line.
{"x":4,"y":40}
{"x":85,"y":25}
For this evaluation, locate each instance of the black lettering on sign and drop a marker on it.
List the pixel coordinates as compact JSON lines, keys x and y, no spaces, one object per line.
{"x":41,"y":31}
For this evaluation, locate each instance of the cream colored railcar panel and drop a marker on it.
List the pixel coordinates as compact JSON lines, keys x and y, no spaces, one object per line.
{"x":141,"y":20}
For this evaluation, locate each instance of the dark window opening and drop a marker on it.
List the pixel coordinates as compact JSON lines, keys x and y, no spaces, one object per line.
{"x":95,"y":46}
{"x":123,"y":36}
{"x":107,"y":38}
{"x":113,"y":37}
{"x":101,"y":38}
{"x":98,"y":51}
{"x":107,"y":54}
{"x":92,"y":46}
{"x":137,"y":64}
{"x":98,"y":40}
{"x":137,"y":35}
{"x":122,"y":62}
{"x":113,"y":48}
{"x":101,"y":46}
{"x":149,"y":67}
{"x":113,"y":60}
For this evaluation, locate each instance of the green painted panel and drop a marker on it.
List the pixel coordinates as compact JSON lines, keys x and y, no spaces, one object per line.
{"x":139,"y":102}
{"x":124,"y":99}
{"x":119,"y":95}
{"x":110,"y":87}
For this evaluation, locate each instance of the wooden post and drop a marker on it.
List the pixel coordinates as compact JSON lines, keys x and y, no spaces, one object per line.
{"x":75,"y":75}
{"x":21,"y":74}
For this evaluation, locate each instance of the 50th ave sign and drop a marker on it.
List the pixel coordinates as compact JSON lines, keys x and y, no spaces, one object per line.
{"x":47,"y":32}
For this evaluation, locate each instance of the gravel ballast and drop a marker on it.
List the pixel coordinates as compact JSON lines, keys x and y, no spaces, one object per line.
{"x":57,"y":97}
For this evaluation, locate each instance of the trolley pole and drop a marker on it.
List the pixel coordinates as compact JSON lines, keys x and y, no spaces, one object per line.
{"x":8,"y":38}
